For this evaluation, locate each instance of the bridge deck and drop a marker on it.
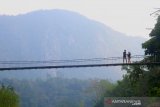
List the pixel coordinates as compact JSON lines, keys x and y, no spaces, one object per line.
{"x":76,"y":66}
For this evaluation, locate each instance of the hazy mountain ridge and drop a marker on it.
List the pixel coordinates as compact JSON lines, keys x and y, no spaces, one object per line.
{"x":60,"y":34}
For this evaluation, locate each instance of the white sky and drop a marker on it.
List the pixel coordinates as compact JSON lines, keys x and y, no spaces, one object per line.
{"x":131,"y":17}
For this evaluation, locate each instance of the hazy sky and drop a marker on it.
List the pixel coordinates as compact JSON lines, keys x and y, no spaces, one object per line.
{"x":127,"y":16}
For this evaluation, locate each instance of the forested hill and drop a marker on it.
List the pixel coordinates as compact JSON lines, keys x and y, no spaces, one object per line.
{"x":57,"y":92}
{"x":60,"y":34}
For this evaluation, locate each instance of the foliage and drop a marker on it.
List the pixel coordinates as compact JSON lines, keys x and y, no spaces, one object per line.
{"x":152,"y":46}
{"x":60,"y":92}
{"x":141,"y":81}
{"x":99,"y":88}
{"x":156,"y":30}
{"x":53,"y":92}
{"x":8,"y":97}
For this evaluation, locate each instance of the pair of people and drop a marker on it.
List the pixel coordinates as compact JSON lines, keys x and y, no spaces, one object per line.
{"x":126,"y":56}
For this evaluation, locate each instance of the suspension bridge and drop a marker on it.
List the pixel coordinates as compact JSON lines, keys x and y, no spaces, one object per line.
{"x":73,"y":63}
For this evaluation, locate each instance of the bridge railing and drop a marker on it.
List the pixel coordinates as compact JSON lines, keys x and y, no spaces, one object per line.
{"x":107,"y":60}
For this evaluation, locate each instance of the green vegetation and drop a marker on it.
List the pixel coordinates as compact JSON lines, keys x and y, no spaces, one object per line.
{"x":59,"y":92}
{"x":152,"y":46}
{"x":140,"y":81}
{"x":8,"y":97}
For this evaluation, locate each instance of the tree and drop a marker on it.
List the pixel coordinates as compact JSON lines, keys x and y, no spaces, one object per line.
{"x":152,"y":46}
{"x":141,"y":81}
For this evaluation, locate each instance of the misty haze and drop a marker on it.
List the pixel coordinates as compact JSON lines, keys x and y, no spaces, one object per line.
{"x":60,"y":54}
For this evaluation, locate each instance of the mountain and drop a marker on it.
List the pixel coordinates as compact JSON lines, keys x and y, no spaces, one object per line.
{"x":60,"y":34}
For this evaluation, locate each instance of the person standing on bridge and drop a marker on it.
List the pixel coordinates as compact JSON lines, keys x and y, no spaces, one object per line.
{"x":124,"y":56}
{"x":129,"y":57}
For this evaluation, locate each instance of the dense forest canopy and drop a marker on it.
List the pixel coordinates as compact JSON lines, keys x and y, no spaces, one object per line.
{"x":58,"y":92}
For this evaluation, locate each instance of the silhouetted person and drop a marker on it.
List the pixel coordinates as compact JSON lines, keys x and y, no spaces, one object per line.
{"x":129,"y":57}
{"x":124,"y":56}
